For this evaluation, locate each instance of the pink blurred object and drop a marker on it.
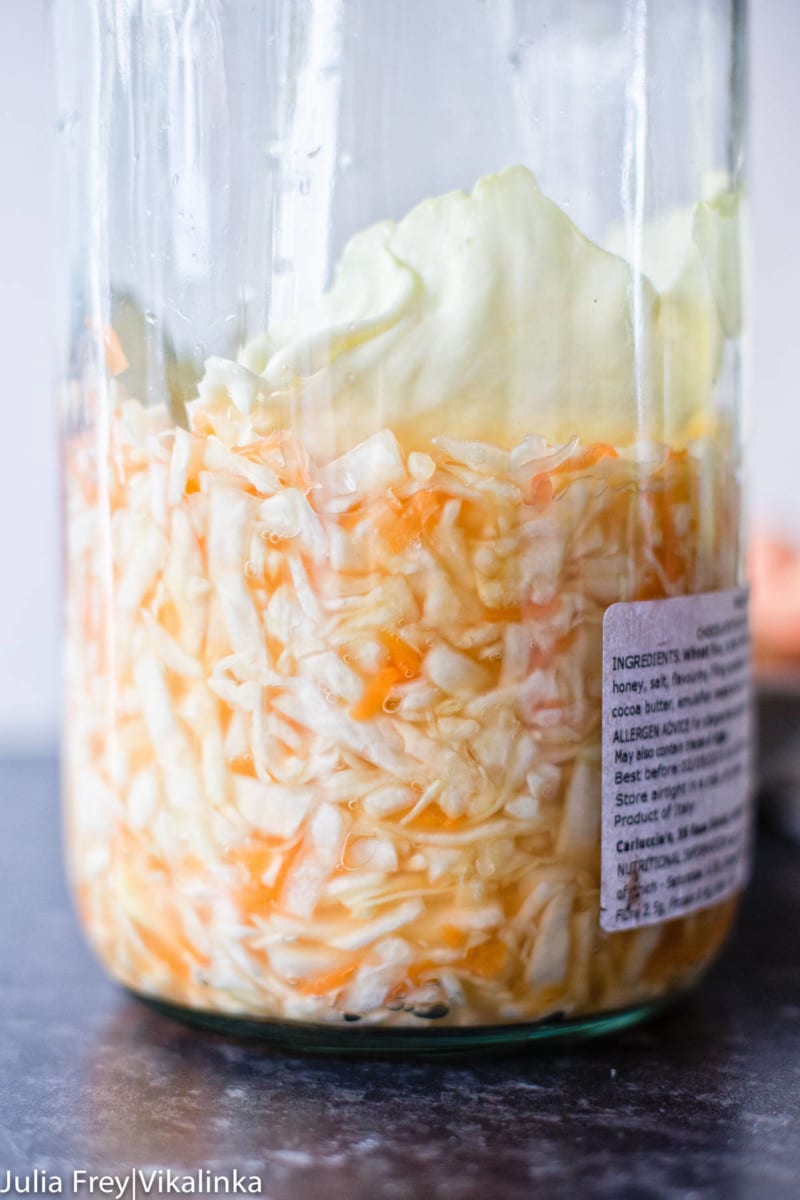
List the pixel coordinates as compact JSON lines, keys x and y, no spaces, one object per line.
{"x":775,"y":598}
{"x":775,"y":618}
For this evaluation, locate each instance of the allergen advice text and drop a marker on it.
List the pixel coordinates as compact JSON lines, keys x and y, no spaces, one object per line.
{"x":676,"y":756}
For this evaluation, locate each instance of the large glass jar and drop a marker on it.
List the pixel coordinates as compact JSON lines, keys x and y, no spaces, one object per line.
{"x":402,"y":466}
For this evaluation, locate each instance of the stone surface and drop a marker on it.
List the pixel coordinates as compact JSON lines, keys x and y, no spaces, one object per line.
{"x":703,"y":1102}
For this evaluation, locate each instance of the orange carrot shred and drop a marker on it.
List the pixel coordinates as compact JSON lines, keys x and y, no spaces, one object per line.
{"x":540,"y":492}
{"x":488,"y":959}
{"x":403,"y":656}
{"x":116,"y":360}
{"x":375,"y":693}
{"x":322,"y":985}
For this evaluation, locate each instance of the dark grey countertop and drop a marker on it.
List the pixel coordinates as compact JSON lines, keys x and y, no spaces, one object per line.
{"x":704,"y":1101}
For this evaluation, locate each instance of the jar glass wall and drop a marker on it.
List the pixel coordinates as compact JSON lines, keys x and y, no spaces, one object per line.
{"x":404,"y":341}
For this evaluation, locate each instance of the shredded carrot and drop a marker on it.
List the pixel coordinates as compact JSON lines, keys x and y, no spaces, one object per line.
{"x":254,"y":897}
{"x":323,"y":985}
{"x":404,"y":664}
{"x":547,"y":996}
{"x":375,"y":693}
{"x":403,"y":656}
{"x":202,"y":424}
{"x":398,"y":524}
{"x":243,"y":765}
{"x":651,"y":589}
{"x":275,"y":647}
{"x":175,"y":953}
{"x":433,"y":820}
{"x":541,"y":612}
{"x":453,"y":937}
{"x":418,"y":973}
{"x":115,"y":355}
{"x":677,"y":487}
{"x":115,"y":359}
{"x":589,"y":457}
{"x":350,"y":519}
{"x":512,"y":613}
{"x":674,"y":563}
{"x":540,"y":491}
{"x":169,"y":618}
{"x":488,"y":959}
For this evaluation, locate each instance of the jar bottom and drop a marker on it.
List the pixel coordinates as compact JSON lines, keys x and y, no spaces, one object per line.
{"x":353,"y":1042}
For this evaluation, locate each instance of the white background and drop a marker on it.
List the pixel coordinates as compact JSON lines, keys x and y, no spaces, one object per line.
{"x":30,"y":583}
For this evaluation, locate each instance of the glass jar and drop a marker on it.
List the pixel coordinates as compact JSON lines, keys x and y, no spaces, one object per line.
{"x":402,"y":481}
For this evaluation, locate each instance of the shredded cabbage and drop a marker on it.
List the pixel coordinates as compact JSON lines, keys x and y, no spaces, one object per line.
{"x":334,"y":732}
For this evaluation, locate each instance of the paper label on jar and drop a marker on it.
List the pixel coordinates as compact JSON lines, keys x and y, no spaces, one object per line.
{"x":677,"y":719}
